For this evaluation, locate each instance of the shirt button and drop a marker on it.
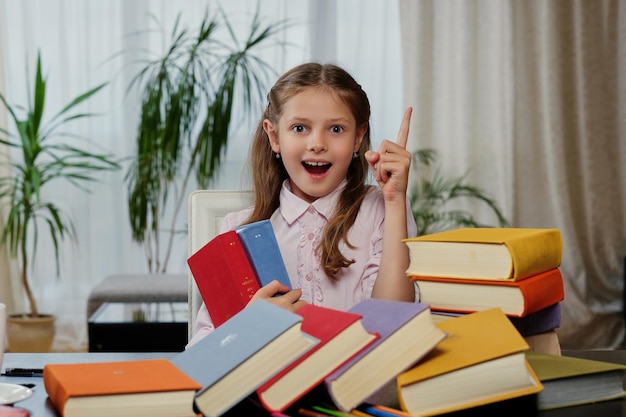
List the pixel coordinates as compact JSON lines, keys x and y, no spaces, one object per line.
{"x":310,"y":236}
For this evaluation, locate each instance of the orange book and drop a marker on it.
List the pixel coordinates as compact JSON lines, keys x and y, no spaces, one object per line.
{"x":487,"y":253}
{"x":139,"y":388}
{"x":482,"y":361}
{"x":515,"y":298}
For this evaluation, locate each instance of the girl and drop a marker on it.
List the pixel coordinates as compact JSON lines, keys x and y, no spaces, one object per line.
{"x":341,"y":239}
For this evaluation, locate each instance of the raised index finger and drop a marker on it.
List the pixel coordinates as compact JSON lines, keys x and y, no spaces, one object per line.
{"x":403,"y":134}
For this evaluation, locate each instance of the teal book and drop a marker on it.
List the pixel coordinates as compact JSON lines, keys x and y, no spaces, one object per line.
{"x":261,"y":246}
{"x":245,"y":351}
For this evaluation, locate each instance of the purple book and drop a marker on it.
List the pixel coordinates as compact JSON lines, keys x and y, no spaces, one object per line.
{"x":540,"y":321}
{"x":407,"y":333}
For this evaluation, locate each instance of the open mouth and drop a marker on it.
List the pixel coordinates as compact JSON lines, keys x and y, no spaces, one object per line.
{"x":313,"y":167}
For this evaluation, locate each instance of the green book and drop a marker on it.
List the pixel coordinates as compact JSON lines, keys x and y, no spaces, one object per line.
{"x":569,"y":381}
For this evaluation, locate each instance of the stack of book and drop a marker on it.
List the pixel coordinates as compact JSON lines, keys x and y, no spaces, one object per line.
{"x":210,"y":377}
{"x":263,"y":354}
{"x":472,"y":269}
{"x":497,"y":284}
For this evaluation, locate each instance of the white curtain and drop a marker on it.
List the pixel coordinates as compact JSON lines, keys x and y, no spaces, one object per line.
{"x":9,"y":290}
{"x":528,"y":97}
{"x":79,"y":43}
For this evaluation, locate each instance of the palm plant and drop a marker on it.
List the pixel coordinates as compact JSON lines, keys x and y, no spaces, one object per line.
{"x":186,"y":110}
{"x":432,"y":195}
{"x":41,"y":161}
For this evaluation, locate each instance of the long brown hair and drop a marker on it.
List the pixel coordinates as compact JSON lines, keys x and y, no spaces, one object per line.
{"x":268,"y":172}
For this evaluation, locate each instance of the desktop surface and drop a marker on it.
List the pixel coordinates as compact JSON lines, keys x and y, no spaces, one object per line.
{"x":40,"y":406}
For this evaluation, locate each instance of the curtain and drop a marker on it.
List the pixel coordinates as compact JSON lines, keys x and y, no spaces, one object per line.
{"x":527,"y":97}
{"x":83,"y":44}
{"x":9,"y":290}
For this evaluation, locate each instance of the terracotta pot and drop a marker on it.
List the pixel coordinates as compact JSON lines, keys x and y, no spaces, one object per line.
{"x":30,"y":334}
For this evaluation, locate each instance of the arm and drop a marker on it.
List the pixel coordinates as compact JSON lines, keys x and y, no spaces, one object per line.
{"x":390,"y":165}
{"x":202,"y":326}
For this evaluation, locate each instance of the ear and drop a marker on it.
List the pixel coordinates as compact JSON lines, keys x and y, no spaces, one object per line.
{"x":272,"y":134}
{"x":359,"y":138}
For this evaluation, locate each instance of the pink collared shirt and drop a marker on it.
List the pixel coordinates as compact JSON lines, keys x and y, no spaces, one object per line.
{"x":298,"y":226}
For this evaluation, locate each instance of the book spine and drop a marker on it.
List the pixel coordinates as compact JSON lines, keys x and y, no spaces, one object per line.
{"x":535,"y":253}
{"x":541,"y":293}
{"x":56,"y":392}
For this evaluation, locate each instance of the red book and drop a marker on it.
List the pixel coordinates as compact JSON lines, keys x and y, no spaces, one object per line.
{"x":515,"y":298}
{"x":341,"y":334}
{"x":224,"y":276}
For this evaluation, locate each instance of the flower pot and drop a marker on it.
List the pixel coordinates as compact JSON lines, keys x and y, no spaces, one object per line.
{"x":30,"y":334}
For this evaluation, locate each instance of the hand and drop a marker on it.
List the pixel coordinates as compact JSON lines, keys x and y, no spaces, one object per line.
{"x":288,"y":299}
{"x":390,"y":164}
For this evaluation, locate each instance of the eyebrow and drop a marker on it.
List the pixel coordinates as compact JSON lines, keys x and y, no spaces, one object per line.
{"x":304,"y":119}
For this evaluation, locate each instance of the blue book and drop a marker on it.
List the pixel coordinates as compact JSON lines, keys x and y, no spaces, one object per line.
{"x":245,"y":351}
{"x":261,"y":246}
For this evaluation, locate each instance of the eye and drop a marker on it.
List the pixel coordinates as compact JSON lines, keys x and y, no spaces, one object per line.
{"x":298,"y":129}
{"x":337,"y":129}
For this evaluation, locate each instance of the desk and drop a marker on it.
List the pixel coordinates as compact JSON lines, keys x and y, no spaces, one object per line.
{"x":39,"y":405}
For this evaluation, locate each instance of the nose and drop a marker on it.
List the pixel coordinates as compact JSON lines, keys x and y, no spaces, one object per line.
{"x":317,"y":142}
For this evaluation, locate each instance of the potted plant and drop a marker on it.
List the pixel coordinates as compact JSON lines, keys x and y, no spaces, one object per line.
{"x":38,"y":159}
{"x":185,"y":116}
{"x":432,"y":197}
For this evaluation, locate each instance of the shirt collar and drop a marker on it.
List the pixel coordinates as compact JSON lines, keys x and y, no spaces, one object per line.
{"x":292,"y":206}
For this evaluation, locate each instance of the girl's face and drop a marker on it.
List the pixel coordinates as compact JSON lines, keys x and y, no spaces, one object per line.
{"x":316,"y":137}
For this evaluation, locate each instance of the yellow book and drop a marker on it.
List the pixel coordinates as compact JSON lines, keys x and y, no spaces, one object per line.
{"x":485,"y":253}
{"x":481,"y":361}
{"x":571,"y":381}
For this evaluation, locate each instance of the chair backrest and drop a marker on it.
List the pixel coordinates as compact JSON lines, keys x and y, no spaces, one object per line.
{"x":206,"y":211}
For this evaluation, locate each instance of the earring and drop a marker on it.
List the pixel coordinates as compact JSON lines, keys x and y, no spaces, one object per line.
{"x":277,"y":156}
{"x":355,"y":155}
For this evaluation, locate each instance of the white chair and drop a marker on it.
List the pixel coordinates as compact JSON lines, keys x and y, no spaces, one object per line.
{"x":206,"y":212}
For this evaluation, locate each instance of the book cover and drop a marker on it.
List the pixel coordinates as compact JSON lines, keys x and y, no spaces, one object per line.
{"x":224,"y":276}
{"x":540,"y":321}
{"x":150,"y":387}
{"x":407,"y":333}
{"x":569,"y":381}
{"x":260,"y":244}
{"x":515,"y":298}
{"x":243,"y":353}
{"x":480,"y":362}
{"x":485,"y":253}
{"x":341,"y":335}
